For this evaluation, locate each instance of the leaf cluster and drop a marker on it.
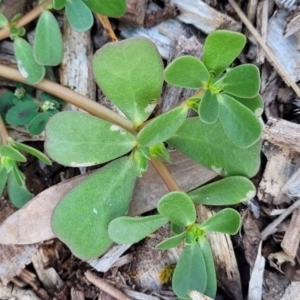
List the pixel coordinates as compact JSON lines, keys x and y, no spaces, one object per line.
{"x":47,"y":47}
{"x":19,"y":108}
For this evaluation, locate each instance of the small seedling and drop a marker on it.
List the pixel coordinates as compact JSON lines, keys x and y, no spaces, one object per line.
{"x":225,"y":137}
{"x":20,"y":108}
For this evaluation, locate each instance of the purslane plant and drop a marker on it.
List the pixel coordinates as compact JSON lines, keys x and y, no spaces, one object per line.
{"x":225,"y":137}
{"x":47,"y":47}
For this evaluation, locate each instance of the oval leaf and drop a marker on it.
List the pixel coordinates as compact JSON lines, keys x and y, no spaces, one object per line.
{"x":129,"y":230}
{"x":59,"y":4}
{"x":194,"y":139}
{"x":3,"y":21}
{"x":22,"y":113}
{"x":39,"y":155}
{"x":171,"y":242}
{"x":239,"y":123}
{"x":186,"y":71}
{"x":18,"y":195}
{"x":130,"y":74}
{"x":221,"y":48}
{"x":11,"y":153}
{"x":227,"y":191}
{"x":3,"y":179}
{"x":79,"y":15}
{"x":81,"y":218}
{"x":28,"y":67}
{"x":227,"y":221}
{"x":255,"y":104}
{"x":211,"y":288}
{"x":78,"y":139}
{"x":48,"y":44}
{"x":209,"y":108}
{"x":7,"y":102}
{"x":242,"y":81}
{"x":178,"y":208}
{"x":37,"y":125}
{"x":162,"y":127}
{"x":190,"y":272}
{"x":110,"y":8}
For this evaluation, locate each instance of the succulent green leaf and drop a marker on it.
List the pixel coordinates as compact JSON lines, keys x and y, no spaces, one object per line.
{"x":48,"y":97}
{"x":82,"y":217}
{"x":15,"y":19}
{"x":240,"y":124}
{"x":37,"y":124}
{"x":227,"y":221}
{"x":186,"y":71}
{"x":178,"y":208}
{"x":79,"y":15}
{"x":213,"y":153}
{"x":211,"y":287}
{"x":13,"y":154}
{"x":18,"y":195}
{"x":227,"y":191}
{"x":19,"y":176}
{"x":59,"y":4}
{"x":141,"y":161}
{"x":221,"y":48}
{"x":28,"y":88}
{"x":48,"y":44}
{"x":110,"y":8}
{"x":160,"y":151}
{"x":171,"y":242}
{"x":209,"y":107}
{"x":28,"y":67}
{"x":162,"y":127}
{"x":255,"y":104}
{"x":130,"y":74}
{"x":176,"y":229}
{"x":22,"y":113}
{"x":36,"y":153}
{"x":6,"y":102}
{"x":190,"y":272}
{"x":242,"y":81}
{"x":128,"y":230}
{"x":3,"y":178}
{"x":3,"y":21}
{"x":78,"y":139}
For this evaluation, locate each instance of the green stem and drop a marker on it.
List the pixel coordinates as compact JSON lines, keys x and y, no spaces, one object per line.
{"x":3,"y":132}
{"x":30,"y":16}
{"x":72,"y":97}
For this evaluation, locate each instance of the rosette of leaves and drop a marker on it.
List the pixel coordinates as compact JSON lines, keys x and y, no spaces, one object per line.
{"x":195,"y":268}
{"x":10,"y":174}
{"x":20,"y":109}
{"x":228,"y":104}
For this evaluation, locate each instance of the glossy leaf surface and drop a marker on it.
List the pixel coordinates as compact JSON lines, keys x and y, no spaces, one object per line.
{"x":211,"y":288}
{"x":81,"y":218}
{"x":209,"y":108}
{"x":78,"y":139}
{"x":218,"y":153}
{"x":221,"y":48}
{"x":178,"y":208}
{"x":162,"y":127}
{"x":242,"y":81}
{"x":110,"y":8}
{"x":79,"y":15}
{"x":28,"y":67}
{"x":171,"y":242}
{"x":59,"y":4}
{"x":227,"y":191}
{"x":130,"y":74}
{"x":3,"y":179}
{"x":12,"y":153}
{"x":23,"y":147}
{"x":18,"y":195}
{"x":37,"y":124}
{"x":186,"y":71}
{"x":239,"y":123}
{"x":190,"y":272}
{"x":22,"y":113}
{"x":128,"y":230}
{"x":227,"y":221}
{"x":48,"y":44}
